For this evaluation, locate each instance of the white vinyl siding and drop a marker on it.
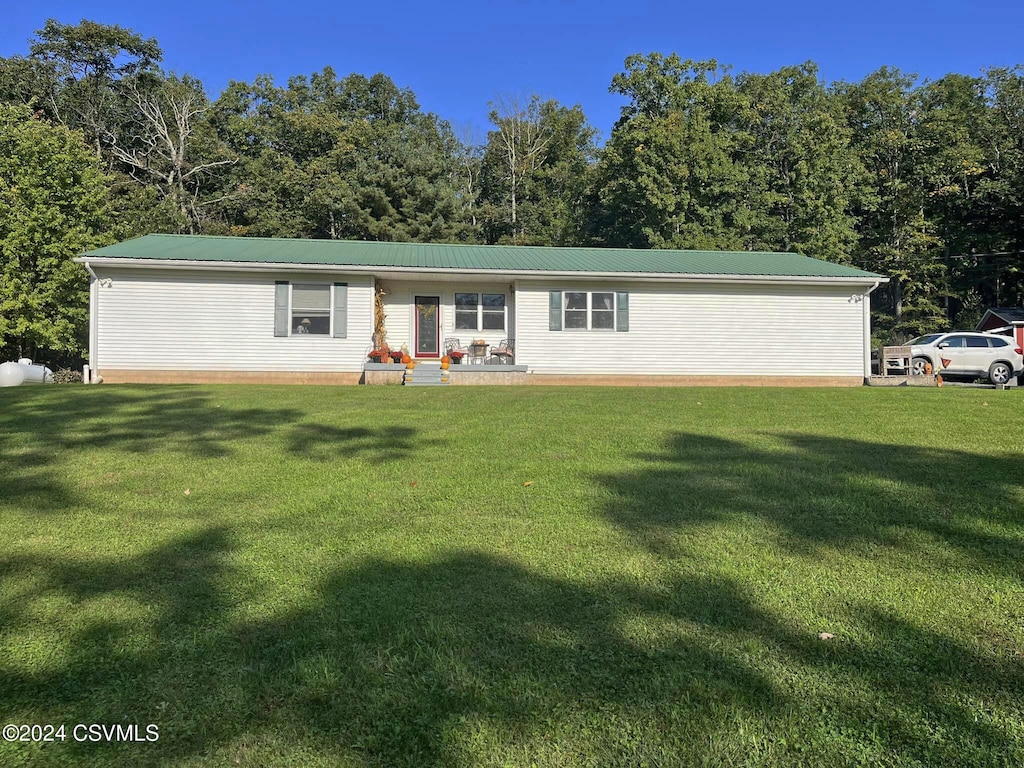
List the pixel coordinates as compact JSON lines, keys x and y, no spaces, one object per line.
{"x":700,"y":329}
{"x":199,"y":320}
{"x":164,"y":319}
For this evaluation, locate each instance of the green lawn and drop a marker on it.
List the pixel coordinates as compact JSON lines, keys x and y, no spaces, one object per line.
{"x":514,"y":576}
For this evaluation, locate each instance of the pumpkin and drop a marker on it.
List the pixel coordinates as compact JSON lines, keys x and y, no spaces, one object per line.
{"x":446,"y":359}
{"x":444,"y":364}
{"x":410,"y":364}
{"x":406,"y":359}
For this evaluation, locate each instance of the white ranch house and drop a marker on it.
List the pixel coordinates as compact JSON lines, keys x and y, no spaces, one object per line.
{"x":179,"y":308}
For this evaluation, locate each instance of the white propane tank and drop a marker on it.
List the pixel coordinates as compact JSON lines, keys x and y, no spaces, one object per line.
{"x":24,"y":372}
{"x":11,"y":374}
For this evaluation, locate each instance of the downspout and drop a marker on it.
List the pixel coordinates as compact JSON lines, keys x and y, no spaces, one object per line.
{"x":94,"y":296}
{"x":866,"y":302}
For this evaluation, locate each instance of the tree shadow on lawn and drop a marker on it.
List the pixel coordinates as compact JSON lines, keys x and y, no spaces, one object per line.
{"x":827,"y":491}
{"x":138,"y":420}
{"x":393,"y":663}
{"x":40,"y":429}
{"x":321,"y":442}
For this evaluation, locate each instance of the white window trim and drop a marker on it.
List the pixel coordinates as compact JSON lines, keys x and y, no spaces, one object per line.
{"x":590,"y":310}
{"x":330,"y":312}
{"x":480,"y":312}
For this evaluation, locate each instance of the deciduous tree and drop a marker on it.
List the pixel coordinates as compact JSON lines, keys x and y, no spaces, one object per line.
{"x":534,"y":172}
{"x":896,"y":237}
{"x":53,"y":206}
{"x":163,"y":139}
{"x":670,"y":176}
{"x":88,"y":58}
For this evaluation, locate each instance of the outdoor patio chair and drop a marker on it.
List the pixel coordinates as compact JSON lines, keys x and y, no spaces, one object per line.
{"x":452,"y":344}
{"x":505,"y":351}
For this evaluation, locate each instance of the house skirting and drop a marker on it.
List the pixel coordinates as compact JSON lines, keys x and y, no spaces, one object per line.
{"x":488,"y":374}
{"x":658,"y":380}
{"x":469,"y":375}
{"x":126,"y":376}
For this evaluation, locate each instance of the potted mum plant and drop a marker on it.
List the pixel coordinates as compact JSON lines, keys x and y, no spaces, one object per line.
{"x":376,"y":356}
{"x":456,"y":356}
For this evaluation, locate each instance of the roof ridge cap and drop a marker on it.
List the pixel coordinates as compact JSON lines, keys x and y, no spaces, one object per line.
{"x":560,"y":248}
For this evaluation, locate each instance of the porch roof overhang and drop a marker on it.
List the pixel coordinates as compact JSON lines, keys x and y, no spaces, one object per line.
{"x":451,"y":274}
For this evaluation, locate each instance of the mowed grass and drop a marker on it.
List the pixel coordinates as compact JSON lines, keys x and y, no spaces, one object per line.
{"x":376,"y":576}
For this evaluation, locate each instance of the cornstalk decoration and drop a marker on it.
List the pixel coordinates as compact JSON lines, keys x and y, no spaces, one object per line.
{"x":380,"y":331}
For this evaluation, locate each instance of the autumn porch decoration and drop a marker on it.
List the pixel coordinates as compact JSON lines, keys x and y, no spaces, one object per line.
{"x":445,"y":362}
{"x":455,"y":357}
{"x":380,"y":331}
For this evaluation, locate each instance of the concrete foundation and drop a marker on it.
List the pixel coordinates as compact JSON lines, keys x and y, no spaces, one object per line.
{"x":901,"y":381}
{"x":650,"y":380}
{"x":474,"y":375}
{"x":122,"y":376}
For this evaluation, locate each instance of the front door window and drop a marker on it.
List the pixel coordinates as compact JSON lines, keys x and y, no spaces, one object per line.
{"x":427,"y":326}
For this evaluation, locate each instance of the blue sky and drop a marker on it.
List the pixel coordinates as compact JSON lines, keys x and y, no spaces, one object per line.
{"x":457,"y":56}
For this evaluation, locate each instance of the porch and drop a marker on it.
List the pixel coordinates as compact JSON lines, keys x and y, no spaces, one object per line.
{"x":488,"y":373}
{"x":426,"y":315}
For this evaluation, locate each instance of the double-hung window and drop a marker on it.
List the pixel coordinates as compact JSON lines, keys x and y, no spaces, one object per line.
{"x":576,"y":303}
{"x":591,"y":311}
{"x":480,"y":311}
{"x":588,"y":311}
{"x":311,"y":309}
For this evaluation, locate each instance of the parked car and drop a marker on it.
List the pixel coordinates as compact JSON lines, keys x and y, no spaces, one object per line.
{"x":965,"y":354}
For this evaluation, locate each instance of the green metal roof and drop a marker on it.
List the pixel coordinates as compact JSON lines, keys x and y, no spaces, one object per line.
{"x":499,"y":258}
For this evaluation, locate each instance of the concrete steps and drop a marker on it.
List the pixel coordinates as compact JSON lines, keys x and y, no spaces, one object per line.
{"x":425,"y":375}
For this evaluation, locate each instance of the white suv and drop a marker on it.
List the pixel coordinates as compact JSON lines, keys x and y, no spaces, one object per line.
{"x":960,"y":353}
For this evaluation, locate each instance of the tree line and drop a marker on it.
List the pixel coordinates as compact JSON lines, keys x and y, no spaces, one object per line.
{"x":920,"y":181}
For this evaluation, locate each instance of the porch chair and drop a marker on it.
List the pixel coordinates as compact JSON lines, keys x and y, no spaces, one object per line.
{"x":452,"y":344}
{"x":505,"y":351}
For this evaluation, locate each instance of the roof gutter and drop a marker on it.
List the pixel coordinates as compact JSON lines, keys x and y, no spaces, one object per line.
{"x":242,"y":266}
